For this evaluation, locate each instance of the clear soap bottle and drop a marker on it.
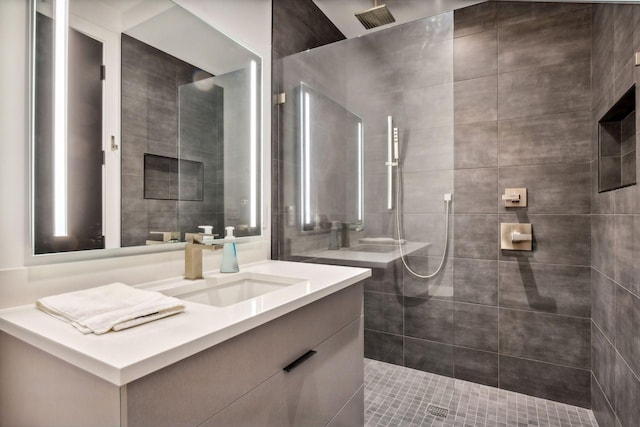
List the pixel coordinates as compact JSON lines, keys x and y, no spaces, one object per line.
{"x":229,"y":262}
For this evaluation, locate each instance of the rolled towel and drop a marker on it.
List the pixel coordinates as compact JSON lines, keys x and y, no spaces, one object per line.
{"x":110,"y":307}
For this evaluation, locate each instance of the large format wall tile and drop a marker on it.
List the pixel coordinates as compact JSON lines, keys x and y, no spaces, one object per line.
{"x":545,"y":90}
{"x":601,"y":408}
{"x":510,"y":13}
{"x":602,"y":50}
{"x":601,"y":203}
{"x":551,"y":338}
{"x":387,"y":280}
{"x":603,"y":303}
{"x":475,"y":281}
{"x":475,"y":55}
{"x":423,"y":192}
{"x":428,"y":67}
{"x":471,"y":20}
{"x":627,"y":199}
{"x":603,"y":361}
{"x":627,"y":394}
{"x":429,"y":107}
{"x":557,"y":138}
{"x":627,"y":251}
{"x":527,"y":44}
{"x":427,"y":228}
{"x":440,"y":286}
{"x":623,"y":29}
{"x":476,"y":326}
{"x":382,"y":346}
{"x":424,"y":149}
{"x":475,"y":365}
{"x":383,"y":312}
{"x":548,"y":288}
{"x":476,"y":100}
{"x":372,"y":64}
{"x":476,"y":145}
{"x":558,"y":188}
{"x":554,"y":382}
{"x":428,"y":356}
{"x":628,"y":327}
{"x":476,"y":190}
{"x":476,"y":236}
{"x":603,"y":244}
{"x":557,"y":239}
{"x":429,"y":319}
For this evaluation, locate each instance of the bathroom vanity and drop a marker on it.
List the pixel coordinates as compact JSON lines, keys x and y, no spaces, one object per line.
{"x":289,"y":357}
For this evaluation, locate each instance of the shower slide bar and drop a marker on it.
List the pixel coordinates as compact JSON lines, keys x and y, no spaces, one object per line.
{"x":392,"y":158}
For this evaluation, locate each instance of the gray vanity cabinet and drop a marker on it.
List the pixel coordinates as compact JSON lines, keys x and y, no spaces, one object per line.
{"x":309,"y":395}
{"x":239,"y":382}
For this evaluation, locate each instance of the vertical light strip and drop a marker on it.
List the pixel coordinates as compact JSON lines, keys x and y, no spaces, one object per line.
{"x":253,"y":143}
{"x":307,"y":158}
{"x":303,"y":214}
{"x":389,"y":162}
{"x":60,"y":120}
{"x":360,"y":152}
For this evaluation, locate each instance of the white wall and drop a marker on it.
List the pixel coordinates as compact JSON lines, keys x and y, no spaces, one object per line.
{"x":248,"y":22}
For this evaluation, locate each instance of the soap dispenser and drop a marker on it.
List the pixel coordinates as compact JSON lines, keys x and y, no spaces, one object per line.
{"x":334,"y":240}
{"x":229,"y":257}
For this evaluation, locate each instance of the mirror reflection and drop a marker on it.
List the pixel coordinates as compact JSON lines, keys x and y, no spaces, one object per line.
{"x":331,"y":163}
{"x":149,"y":130}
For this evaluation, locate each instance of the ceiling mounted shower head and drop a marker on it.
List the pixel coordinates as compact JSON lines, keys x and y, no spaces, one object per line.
{"x":376,"y":16}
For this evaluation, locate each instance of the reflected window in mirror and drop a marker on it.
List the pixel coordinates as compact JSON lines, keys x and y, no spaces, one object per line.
{"x":143,"y":80}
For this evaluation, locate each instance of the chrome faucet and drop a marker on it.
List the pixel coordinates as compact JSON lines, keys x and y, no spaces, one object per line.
{"x":193,"y":257}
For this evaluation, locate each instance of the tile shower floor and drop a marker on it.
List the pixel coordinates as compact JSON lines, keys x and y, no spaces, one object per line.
{"x":398,"y":396}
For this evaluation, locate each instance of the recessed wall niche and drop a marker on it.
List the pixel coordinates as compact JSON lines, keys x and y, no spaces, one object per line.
{"x":617,"y":144}
{"x":168,"y":178}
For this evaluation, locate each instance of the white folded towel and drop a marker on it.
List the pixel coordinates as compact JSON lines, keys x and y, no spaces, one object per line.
{"x":110,"y":307}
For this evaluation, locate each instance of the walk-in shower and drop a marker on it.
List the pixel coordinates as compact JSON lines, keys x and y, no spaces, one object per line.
{"x":473,"y":121}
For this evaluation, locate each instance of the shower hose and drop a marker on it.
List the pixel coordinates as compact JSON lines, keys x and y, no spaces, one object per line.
{"x":399,"y":229}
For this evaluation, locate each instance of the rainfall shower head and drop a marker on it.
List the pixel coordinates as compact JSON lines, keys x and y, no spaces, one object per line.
{"x":376,"y":16}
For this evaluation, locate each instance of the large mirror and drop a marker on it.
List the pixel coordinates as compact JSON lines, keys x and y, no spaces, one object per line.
{"x":146,"y":126}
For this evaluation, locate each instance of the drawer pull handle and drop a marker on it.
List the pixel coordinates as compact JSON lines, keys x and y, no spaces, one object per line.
{"x":291,"y":366}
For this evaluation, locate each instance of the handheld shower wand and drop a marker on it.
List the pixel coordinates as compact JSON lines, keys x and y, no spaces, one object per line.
{"x":394,"y":161}
{"x":392,"y":158}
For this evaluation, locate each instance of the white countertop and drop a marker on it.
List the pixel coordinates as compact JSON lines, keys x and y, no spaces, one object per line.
{"x":124,"y":356}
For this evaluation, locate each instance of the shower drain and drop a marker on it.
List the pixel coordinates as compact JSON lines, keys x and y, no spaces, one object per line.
{"x":437,"y":411}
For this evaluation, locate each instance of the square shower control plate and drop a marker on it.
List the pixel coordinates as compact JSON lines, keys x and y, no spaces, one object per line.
{"x":506,"y":237}
{"x":522,"y":199}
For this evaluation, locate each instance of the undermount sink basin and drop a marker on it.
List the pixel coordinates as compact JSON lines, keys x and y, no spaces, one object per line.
{"x":378,"y":249}
{"x":224,"y":290}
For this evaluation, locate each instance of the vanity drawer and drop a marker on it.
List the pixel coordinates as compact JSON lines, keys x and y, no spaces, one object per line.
{"x":309,"y":395}
{"x":191,"y":391}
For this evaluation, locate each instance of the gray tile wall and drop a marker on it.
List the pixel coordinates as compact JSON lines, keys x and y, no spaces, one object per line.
{"x":522,"y":102}
{"x":615,"y":322}
{"x":150,"y":104}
